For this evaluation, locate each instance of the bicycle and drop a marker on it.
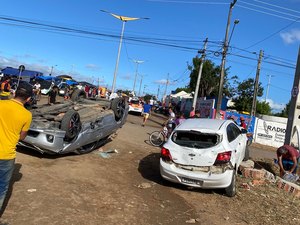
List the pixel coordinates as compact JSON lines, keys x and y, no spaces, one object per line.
{"x":157,"y":138}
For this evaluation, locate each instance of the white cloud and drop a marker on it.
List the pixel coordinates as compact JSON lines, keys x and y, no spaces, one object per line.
{"x":92,"y":67}
{"x":291,"y":36}
{"x":164,"y":81}
{"x":277,"y":107}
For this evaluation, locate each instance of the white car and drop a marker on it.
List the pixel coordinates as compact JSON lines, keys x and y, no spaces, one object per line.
{"x":205,"y":153}
{"x":135,"y":106}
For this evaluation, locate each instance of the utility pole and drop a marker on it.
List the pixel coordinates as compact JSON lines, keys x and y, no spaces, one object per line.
{"x":224,"y":52}
{"x":199,"y":73}
{"x":268,"y":86}
{"x":136,"y":72}
{"x":158,"y":91}
{"x":140,"y":85}
{"x":253,"y":108}
{"x":167,"y":83}
{"x":294,"y":111}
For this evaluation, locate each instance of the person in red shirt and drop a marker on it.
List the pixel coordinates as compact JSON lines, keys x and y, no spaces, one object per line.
{"x":288,"y":158}
{"x":243,"y":124}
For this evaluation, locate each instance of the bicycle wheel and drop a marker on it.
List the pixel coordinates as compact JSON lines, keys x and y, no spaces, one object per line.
{"x":156,"y":138}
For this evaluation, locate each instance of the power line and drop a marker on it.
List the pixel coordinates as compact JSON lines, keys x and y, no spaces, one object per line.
{"x":80,"y":32}
{"x":189,"y":2}
{"x":271,"y":14}
{"x":268,"y":8}
{"x":280,"y":7}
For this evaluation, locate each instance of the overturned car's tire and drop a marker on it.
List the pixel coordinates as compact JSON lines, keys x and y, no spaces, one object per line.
{"x":71,"y":124}
{"x":77,"y":95}
{"x":118,"y":105}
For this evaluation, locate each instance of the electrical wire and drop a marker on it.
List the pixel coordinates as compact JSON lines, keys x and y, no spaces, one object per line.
{"x":268,"y":8}
{"x":189,"y":2}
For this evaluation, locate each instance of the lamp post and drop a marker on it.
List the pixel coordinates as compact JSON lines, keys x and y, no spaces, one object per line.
{"x":224,"y":52}
{"x":136,"y":72}
{"x":52,"y":68}
{"x":124,"y":19}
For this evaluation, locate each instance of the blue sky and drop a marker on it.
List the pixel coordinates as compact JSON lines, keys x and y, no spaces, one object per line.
{"x":166,"y":42}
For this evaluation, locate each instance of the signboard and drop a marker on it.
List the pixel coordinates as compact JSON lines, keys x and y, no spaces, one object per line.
{"x":270,"y":133}
{"x":206,"y":108}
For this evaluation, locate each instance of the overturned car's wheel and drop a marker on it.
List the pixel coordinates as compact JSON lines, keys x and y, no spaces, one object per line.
{"x":71,"y":124}
{"x":118,"y":105}
{"x":77,"y":95}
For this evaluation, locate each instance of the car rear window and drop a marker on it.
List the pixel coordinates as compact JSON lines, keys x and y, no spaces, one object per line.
{"x":135,"y":101}
{"x":195,"y":139}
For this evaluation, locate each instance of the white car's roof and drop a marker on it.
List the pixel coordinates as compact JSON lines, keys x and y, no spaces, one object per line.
{"x":202,"y":124}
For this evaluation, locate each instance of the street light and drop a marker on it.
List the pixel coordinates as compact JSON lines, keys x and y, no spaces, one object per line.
{"x":52,"y":67}
{"x":124,"y":19}
{"x":224,"y":52}
{"x":136,"y":72}
{"x":234,"y":23}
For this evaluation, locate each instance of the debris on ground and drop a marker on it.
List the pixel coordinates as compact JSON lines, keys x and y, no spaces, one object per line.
{"x":105,"y":154}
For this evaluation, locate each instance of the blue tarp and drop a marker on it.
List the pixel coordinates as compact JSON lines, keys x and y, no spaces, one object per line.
{"x":9,"y":71}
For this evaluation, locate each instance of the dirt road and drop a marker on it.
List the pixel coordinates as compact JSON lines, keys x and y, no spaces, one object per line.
{"x":126,"y":188}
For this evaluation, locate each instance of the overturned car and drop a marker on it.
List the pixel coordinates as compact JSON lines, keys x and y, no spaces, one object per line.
{"x":77,"y":126}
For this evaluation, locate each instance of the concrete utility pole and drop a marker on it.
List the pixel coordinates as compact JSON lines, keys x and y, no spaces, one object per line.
{"x":167,"y":83}
{"x":268,"y":87}
{"x":224,"y":52}
{"x":136,"y":72}
{"x":199,"y":73}
{"x":142,"y":76}
{"x":158,"y":91}
{"x":253,"y":108}
{"x":294,"y":111}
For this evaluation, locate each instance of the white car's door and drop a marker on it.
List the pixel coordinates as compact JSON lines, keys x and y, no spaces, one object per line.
{"x":237,"y":143}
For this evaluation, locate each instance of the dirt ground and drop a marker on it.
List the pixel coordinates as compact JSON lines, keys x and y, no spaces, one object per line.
{"x":126,"y":188}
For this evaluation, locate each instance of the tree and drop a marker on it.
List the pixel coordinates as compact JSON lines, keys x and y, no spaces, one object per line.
{"x":263,"y":108}
{"x":285,"y":111}
{"x":210,"y":78}
{"x":186,"y":89}
{"x":244,"y":94}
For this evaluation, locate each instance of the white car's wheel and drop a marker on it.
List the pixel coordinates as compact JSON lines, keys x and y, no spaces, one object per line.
{"x":246,"y":157}
{"x":231,"y":189}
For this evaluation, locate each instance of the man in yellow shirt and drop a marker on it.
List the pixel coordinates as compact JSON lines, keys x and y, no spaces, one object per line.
{"x":14,"y":123}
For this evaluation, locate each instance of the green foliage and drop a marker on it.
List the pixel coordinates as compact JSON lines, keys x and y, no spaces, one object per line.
{"x":285,"y":111}
{"x":210,"y":79}
{"x":147,"y":97}
{"x":263,"y":108}
{"x":186,"y":89}
{"x":244,"y":94}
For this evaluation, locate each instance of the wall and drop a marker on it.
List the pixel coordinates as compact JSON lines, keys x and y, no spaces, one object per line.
{"x":270,"y":133}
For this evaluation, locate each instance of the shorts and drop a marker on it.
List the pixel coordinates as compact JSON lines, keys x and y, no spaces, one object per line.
{"x":146,"y":115}
{"x":288,"y":164}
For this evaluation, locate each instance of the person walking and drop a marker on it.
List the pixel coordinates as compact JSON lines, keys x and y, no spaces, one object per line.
{"x":15,"y":121}
{"x":146,"y":112}
{"x":52,"y":95}
{"x":37,"y":90}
